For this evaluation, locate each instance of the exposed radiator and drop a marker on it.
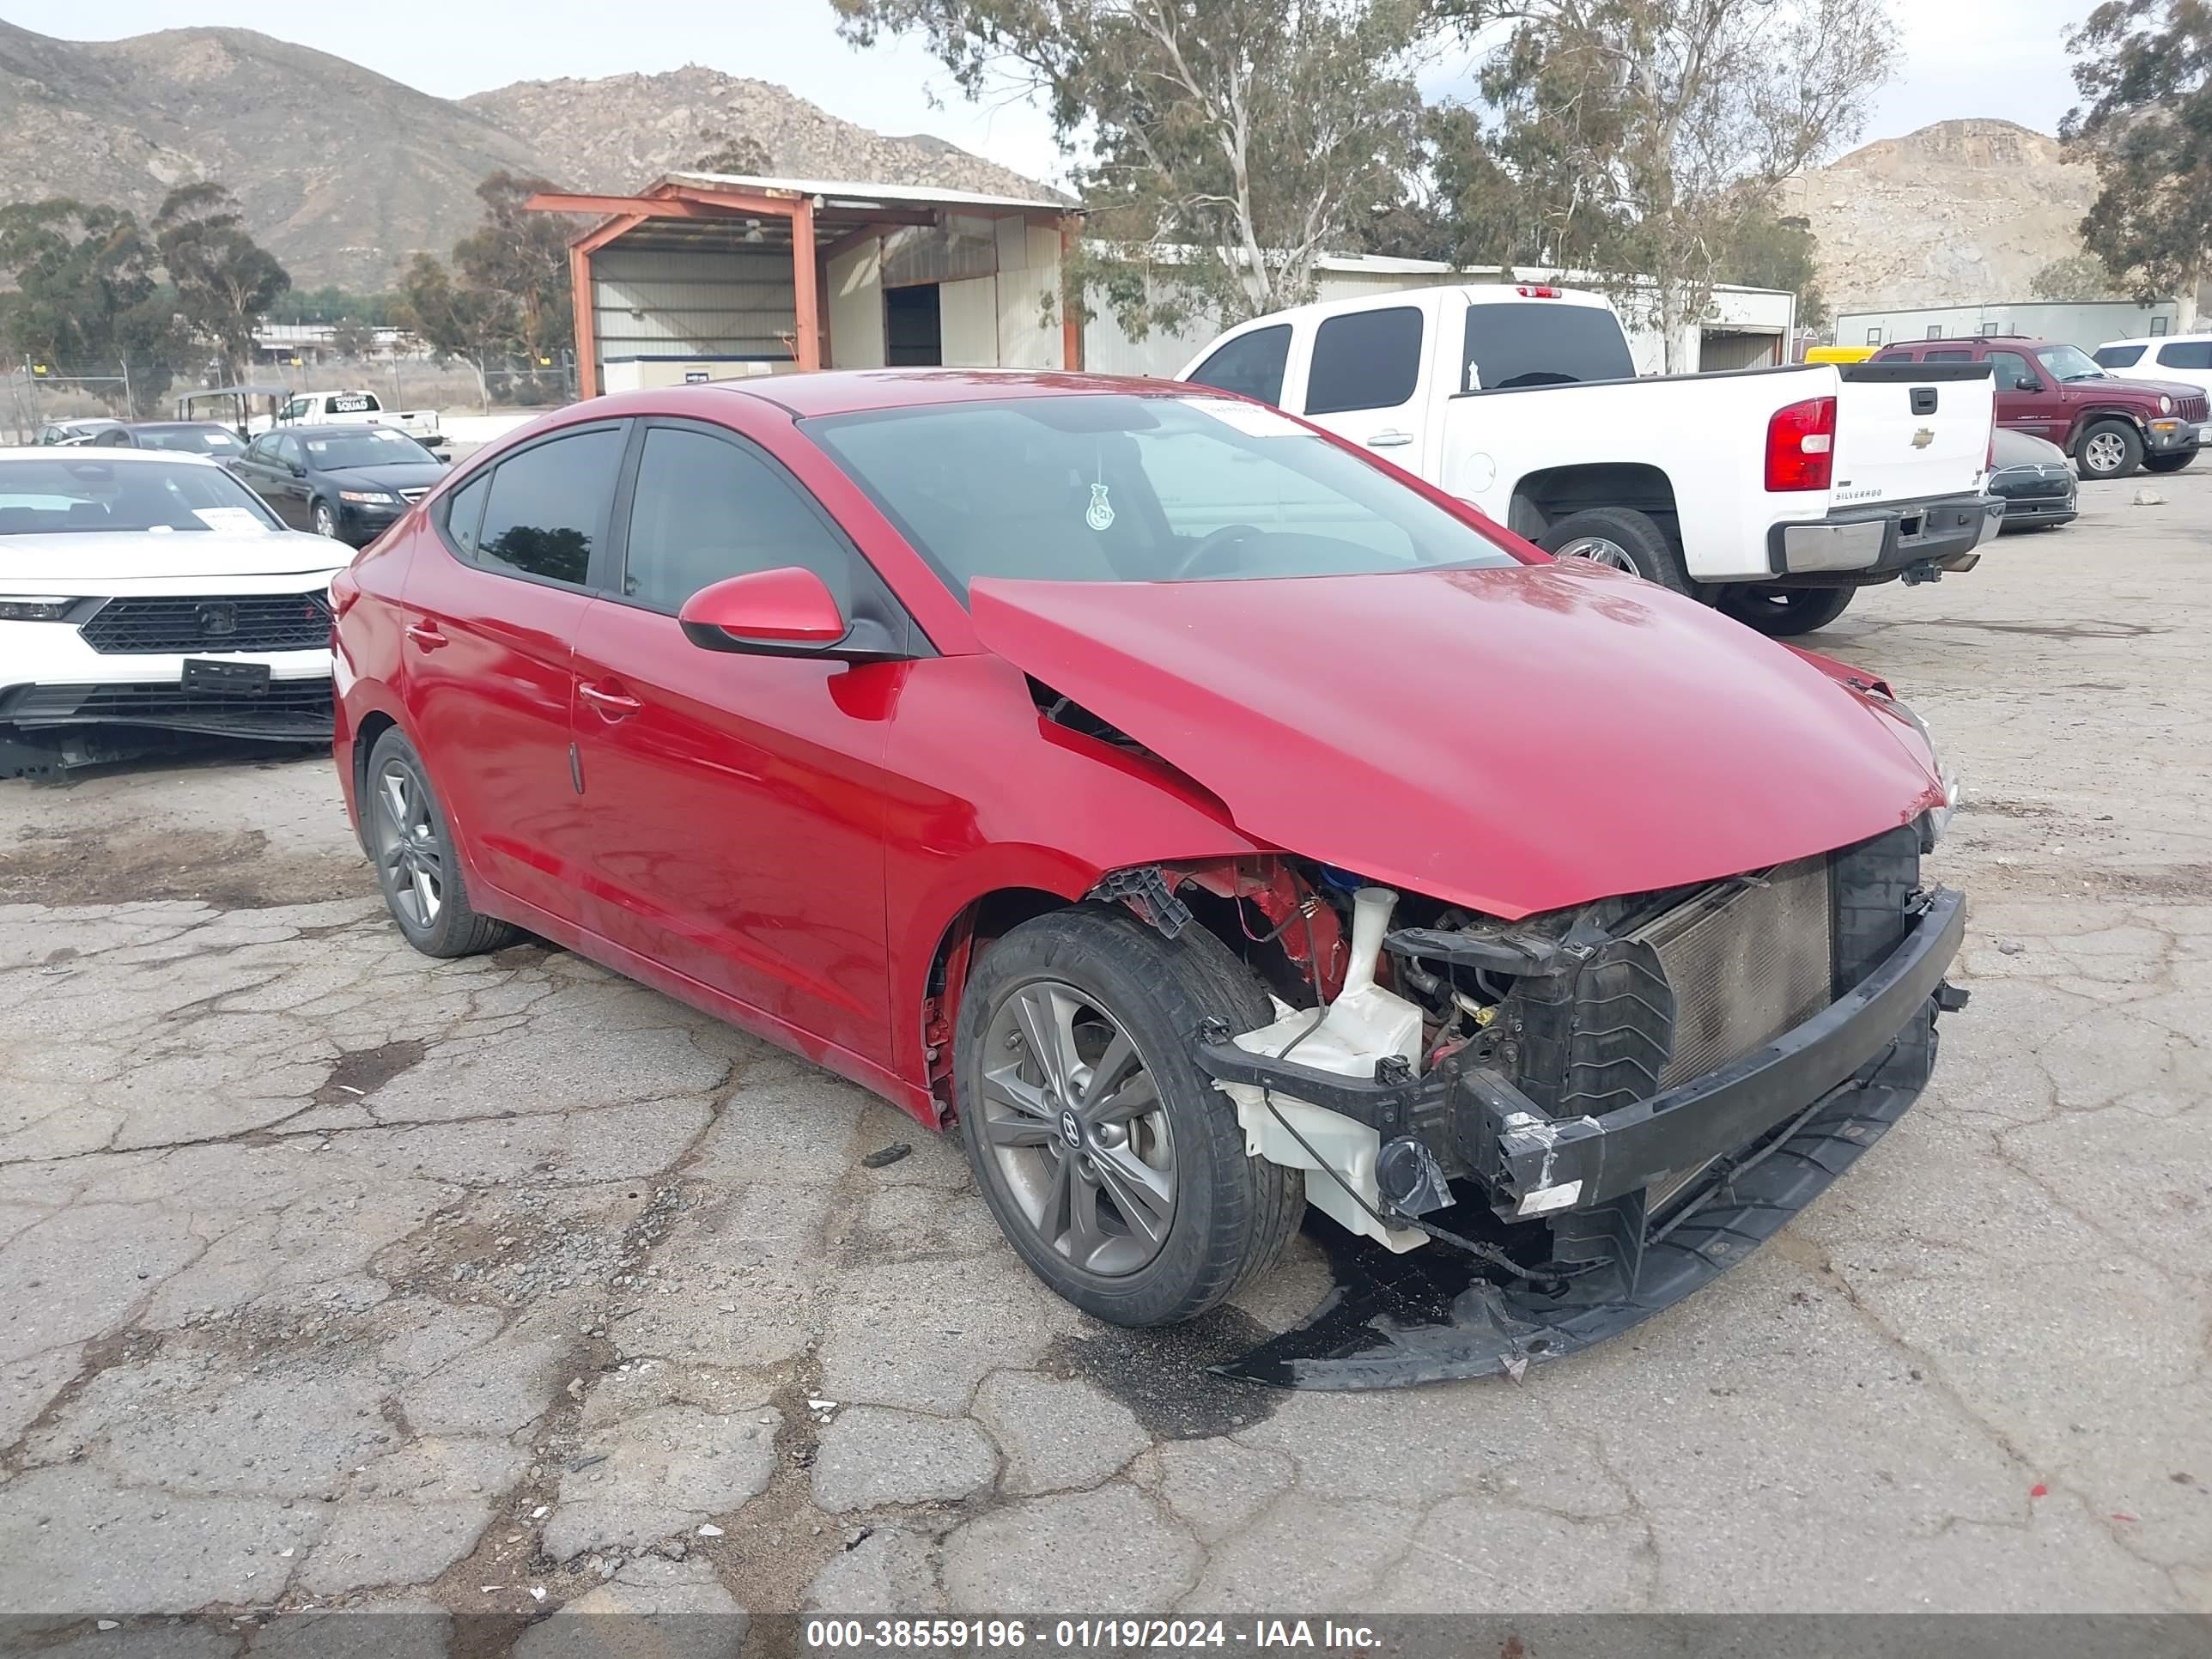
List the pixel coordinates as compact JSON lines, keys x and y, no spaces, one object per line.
{"x":1745,"y":965}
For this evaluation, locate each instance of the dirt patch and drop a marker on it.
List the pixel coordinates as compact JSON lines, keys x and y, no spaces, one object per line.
{"x":362,"y":1070}
{"x":232,"y":870}
{"x":2186,"y":884}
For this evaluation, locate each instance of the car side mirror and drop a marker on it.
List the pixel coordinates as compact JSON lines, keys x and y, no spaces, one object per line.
{"x":786,"y":612}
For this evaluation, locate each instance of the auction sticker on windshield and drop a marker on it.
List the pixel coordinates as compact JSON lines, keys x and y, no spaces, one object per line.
{"x":229,"y":518}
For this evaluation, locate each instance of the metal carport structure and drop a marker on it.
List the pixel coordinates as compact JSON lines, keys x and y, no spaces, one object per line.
{"x":708,"y":276}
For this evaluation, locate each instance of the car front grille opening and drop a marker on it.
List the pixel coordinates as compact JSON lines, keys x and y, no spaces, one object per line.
{"x":209,"y":624}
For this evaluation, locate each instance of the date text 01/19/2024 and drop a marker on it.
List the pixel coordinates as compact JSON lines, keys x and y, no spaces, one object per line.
{"x":1081,"y":1635}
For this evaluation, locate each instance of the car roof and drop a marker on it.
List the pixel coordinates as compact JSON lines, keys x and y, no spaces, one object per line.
{"x":843,"y":392}
{"x":2156,"y":340}
{"x":178,"y":426}
{"x":121,"y":452}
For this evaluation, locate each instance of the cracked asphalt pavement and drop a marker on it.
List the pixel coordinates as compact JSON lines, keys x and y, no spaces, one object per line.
{"x":331,"y":1276}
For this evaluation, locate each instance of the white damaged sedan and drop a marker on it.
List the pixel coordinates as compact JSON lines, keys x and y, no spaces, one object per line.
{"x":144,"y":592}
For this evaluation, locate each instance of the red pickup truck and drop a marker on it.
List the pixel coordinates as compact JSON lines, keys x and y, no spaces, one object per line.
{"x":2109,"y":426}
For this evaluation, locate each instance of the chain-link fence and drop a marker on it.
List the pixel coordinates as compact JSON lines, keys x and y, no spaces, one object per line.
{"x":35,"y":394}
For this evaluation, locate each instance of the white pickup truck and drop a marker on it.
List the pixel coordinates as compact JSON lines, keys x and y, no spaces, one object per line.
{"x":1775,"y":494}
{"x":358,"y":407}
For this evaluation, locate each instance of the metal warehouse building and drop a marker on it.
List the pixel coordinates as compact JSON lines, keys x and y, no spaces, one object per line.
{"x":711,"y":276}
{"x":2088,"y":324}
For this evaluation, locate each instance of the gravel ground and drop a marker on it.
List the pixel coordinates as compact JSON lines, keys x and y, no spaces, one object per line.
{"x":331,"y":1276}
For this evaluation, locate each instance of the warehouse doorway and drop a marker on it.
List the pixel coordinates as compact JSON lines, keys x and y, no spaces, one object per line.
{"x":914,"y":327}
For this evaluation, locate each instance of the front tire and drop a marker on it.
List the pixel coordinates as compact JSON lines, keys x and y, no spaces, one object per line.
{"x":1115,"y":1169}
{"x":1619,"y":537}
{"x":416,"y":869}
{"x":2167,"y":462}
{"x":326,"y":520}
{"x":1783,"y":613}
{"x":2110,"y":449}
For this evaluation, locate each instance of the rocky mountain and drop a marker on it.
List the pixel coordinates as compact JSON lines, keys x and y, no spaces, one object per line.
{"x":619,"y":132}
{"x":344,"y":174}
{"x":1959,"y":211}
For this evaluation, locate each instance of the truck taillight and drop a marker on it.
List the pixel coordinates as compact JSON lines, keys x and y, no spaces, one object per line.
{"x":1538,"y":292}
{"x":1801,"y":445}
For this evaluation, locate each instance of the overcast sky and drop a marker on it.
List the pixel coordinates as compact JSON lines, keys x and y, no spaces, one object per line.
{"x":1962,"y":57}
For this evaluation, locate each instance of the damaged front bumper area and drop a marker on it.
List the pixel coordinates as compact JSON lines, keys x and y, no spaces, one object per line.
{"x":1604,"y":1217}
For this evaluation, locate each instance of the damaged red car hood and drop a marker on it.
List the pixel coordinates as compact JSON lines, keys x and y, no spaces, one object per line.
{"x":1514,"y":739}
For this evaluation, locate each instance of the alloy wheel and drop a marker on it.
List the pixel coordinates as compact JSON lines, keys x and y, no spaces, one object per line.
{"x":325,"y":524}
{"x":1076,"y":1129}
{"x":1599,"y":550}
{"x":409,"y":858}
{"x":2104,"y":452}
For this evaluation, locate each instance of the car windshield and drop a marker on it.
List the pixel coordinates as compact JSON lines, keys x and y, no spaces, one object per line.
{"x":1114,"y":488}
{"x":81,"y":492}
{"x":375,"y":445}
{"x":192,"y":440}
{"x":2068,"y":362}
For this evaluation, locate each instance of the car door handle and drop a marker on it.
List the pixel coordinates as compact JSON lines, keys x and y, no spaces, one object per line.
{"x":612,"y":705}
{"x":1388,"y":440}
{"x":426,"y":635}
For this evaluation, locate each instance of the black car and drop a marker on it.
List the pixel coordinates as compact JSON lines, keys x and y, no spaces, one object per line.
{"x":346,"y":482}
{"x":2035,"y":480}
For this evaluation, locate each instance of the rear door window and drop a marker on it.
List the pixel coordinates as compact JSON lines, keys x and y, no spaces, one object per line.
{"x":1364,"y":360}
{"x":1947,"y":357}
{"x":1251,"y":365}
{"x":547,"y":512}
{"x":464,"y":514}
{"x":1542,"y":343}
{"x":2183,"y":354}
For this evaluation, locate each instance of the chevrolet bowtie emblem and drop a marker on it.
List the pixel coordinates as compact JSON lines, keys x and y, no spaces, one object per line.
{"x":1924,"y":437}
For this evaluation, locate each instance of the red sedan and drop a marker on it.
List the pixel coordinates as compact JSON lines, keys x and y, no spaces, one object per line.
{"x":1208,"y":817}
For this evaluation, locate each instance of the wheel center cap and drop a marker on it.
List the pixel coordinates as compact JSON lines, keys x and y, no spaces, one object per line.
{"x":1070,"y":1128}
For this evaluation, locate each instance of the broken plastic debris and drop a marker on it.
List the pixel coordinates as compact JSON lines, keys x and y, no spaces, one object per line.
{"x":1517,"y":1367}
{"x":891,"y":1154}
{"x":821,"y":1405}
{"x":540,"y":1512}
{"x":287,"y":1554}
{"x":709,"y":1529}
{"x":536,"y":1593}
{"x":489,"y":1588}
{"x":103,"y":1624}
{"x":2122,"y":1514}
{"x":2038,"y":1490}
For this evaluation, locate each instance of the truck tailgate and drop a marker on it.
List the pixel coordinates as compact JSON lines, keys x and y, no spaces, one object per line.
{"x":1909,"y":431}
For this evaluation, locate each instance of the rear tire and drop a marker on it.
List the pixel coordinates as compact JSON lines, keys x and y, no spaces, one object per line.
{"x":1783,"y":613}
{"x":2167,"y":462}
{"x":2110,"y":449}
{"x":417,"y":868}
{"x":1619,"y":537}
{"x":1052,"y":1124}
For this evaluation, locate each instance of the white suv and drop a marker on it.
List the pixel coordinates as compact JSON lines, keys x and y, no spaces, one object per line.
{"x":143,"y":592}
{"x":2183,"y":357}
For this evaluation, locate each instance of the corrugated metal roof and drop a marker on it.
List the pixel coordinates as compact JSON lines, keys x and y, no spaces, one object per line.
{"x":839,"y":191}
